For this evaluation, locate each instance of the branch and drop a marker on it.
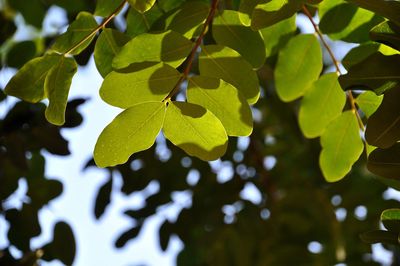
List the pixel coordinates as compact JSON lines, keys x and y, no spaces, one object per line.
{"x":94,"y":31}
{"x":192,"y":54}
{"x":349,"y":94}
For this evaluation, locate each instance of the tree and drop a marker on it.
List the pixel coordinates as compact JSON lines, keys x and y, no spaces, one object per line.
{"x":244,"y":70}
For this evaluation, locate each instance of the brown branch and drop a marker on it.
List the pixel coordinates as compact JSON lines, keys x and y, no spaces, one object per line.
{"x":349,"y":94}
{"x":94,"y":31}
{"x":192,"y":54}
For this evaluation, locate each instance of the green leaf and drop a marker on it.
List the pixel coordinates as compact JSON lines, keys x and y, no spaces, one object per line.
{"x":383,"y":129}
{"x":63,"y":246}
{"x":359,"y":53}
{"x":141,"y":5}
{"x":385,"y":162}
{"x":388,"y":9}
{"x":56,"y":87}
{"x":299,"y":65}
{"x":33,"y":13}
{"x":188,"y":20}
{"x":341,"y":147}
{"x":246,"y":9}
{"x":277,"y":36}
{"x":224,"y":101}
{"x":368,"y":102}
{"x":169,"y":47}
{"x":321,"y":104}
{"x":150,"y":84}
{"x":133,"y":130}
{"x":28,"y":83}
{"x":138,"y":23}
{"x":104,"y":8}
{"x":388,"y":33}
{"x":345,"y":21}
{"x":107,"y":47}
{"x":222,"y":62}
{"x":391,"y":219}
{"x":380,"y":236}
{"x":377,"y":72}
{"x":20,"y":53}
{"x":273,"y":11}
{"x":227,"y":30}
{"x":76,"y":32}
{"x":195,"y":130}
{"x":168,"y":5}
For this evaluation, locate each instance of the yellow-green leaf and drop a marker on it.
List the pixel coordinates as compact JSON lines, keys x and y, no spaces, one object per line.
{"x":299,"y":65}
{"x":105,"y":8}
{"x":224,"y":101}
{"x":222,"y":62}
{"x":228,"y":30}
{"x":195,"y":130}
{"x":150,"y":84}
{"x":76,"y":32}
{"x":169,"y":47}
{"x":28,"y":83}
{"x":56,"y":86}
{"x":321,"y":104}
{"x":141,"y":5}
{"x":133,"y":130}
{"x":107,"y":46}
{"x":368,"y":102}
{"x":341,"y":147}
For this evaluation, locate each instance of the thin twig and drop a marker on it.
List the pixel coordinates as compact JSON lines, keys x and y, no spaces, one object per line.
{"x":336,"y":63}
{"x":94,"y":31}
{"x":192,"y":54}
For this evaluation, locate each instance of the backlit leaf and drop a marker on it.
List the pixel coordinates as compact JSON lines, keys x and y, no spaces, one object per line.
{"x":224,"y":101}
{"x":169,"y":47}
{"x":150,"y":84}
{"x":195,"y":130}
{"x":105,"y":8}
{"x":299,"y":65}
{"x":133,"y":130}
{"x":388,"y":9}
{"x":141,"y":5}
{"x":368,"y":102}
{"x":391,"y":219}
{"x":188,"y":20}
{"x":246,"y":9}
{"x":227,"y":30}
{"x":383,"y":128}
{"x":222,"y":62}
{"x":359,"y":53}
{"x":28,"y":83}
{"x":273,"y":11}
{"x":377,"y":72}
{"x":138,"y":23}
{"x":76,"y":32}
{"x":321,"y":104}
{"x":56,"y":86}
{"x":341,"y":147}
{"x":388,"y":33}
{"x":107,"y":46}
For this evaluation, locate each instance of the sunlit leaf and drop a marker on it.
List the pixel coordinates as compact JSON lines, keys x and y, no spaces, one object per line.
{"x":141,"y":5}
{"x":138,"y":23}
{"x":150,"y":84}
{"x":169,"y":47}
{"x":195,"y":130}
{"x":76,"y":32}
{"x":222,"y":62}
{"x":321,"y":104}
{"x":341,"y":147}
{"x":227,"y":30}
{"x":133,"y":130}
{"x":107,"y":47}
{"x":388,"y":9}
{"x":105,"y":8}
{"x":368,"y":102}
{"x":388,"y":33}
{"x":224,"y":101}
{"x":299,"y":65}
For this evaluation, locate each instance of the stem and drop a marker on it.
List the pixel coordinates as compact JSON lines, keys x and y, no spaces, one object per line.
{"x":95,"y":30}
{"x":349,"y":94}
{"x":192,"y":54}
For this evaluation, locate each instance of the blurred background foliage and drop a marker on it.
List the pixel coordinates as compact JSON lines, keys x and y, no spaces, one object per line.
{"x":299,"y":219}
